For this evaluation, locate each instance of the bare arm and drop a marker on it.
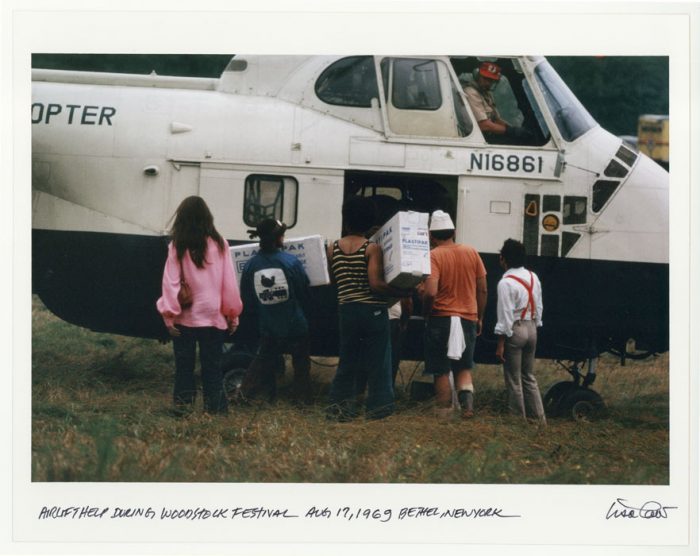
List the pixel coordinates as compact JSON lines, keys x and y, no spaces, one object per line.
{"x":481,"y":295}
{"x":498,"y":127}
{"x":375,"y":273}
{"x":500,"y":348}
{"x":430,"y":288}
{"x":329,"y":259}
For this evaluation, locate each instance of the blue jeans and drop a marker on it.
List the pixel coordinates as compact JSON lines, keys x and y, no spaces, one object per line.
{"x":211,"y":341}
{"x":364,"y":346}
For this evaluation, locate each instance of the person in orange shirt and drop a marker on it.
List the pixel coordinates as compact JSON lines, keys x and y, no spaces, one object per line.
{"x":454,"y":300}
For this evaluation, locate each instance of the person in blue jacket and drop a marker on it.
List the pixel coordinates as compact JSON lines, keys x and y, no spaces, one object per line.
{"x":275,"y":288}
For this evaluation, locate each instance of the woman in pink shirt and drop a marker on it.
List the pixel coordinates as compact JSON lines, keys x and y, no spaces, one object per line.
{"x":199,"y":256}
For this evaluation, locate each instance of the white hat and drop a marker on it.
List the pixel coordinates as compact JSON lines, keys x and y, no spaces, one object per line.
{"x":440,"y":220}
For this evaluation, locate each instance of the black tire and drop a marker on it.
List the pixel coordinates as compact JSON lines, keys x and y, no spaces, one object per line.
{"x":585,"y":405}
{"x":234,"y":365}
{"x":553,"y":400}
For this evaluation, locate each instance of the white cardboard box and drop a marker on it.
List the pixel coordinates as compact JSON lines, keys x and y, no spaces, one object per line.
{"x":405,"y":243}
{"x":310,"y":250}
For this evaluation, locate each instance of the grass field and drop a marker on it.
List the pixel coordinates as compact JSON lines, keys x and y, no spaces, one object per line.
{"x":100,"y":412}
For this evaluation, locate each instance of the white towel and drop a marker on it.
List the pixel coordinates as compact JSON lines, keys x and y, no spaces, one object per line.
{"x":456,"y":344}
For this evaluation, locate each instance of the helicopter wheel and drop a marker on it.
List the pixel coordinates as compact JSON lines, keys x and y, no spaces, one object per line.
{"x":555,"y":396}
{"x":584,"y":405}
{"x":234,"y":366}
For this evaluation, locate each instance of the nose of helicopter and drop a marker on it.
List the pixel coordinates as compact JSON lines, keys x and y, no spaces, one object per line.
{"x":634,"y":225}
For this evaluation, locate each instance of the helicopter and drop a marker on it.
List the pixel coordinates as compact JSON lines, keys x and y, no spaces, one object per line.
{"x":292,"y":137}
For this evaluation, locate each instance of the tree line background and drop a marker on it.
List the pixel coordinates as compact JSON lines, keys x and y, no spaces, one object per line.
{"x":616,"y":90}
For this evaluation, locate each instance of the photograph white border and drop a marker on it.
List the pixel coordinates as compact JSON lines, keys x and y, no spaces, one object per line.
{"x":571,"y":516}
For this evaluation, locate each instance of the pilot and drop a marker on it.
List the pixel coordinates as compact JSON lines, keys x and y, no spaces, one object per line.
{"x":480,"y":97}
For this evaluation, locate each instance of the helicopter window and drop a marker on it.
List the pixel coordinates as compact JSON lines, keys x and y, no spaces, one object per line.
{"x":568,"y":240}
{"x":464,"y":123}
{"x":550,"y":245}
{"x":551,"y":203}
{"x":349,"y":82}
{"x":602,"y":191}
{"x":615,"y":170}
{"x":574,"y":210}
{"x":270,"y":197}
{"x":507,"y":103}
{"x":571,"y":117}
{"x":627,"y":156}
{"x":512,"y":98}
{"x":387,"y":191}
{"x":536,"y":110}
{"x":416,"y":84}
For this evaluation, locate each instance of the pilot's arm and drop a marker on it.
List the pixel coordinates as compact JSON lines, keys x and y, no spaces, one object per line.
{"x":480,"y":108}
{"x":499,"y":127}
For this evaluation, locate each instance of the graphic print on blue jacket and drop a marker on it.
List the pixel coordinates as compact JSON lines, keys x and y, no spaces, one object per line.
{"x":275,"y":287}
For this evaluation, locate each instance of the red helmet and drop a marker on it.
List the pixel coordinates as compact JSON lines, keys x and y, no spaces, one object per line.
{"x":490,"y":70}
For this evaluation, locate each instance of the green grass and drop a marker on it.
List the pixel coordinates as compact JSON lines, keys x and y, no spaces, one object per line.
{"x":100,"y":412}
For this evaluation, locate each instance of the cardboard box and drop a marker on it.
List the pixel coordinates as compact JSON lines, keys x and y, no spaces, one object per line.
{"x":310,"y":250}
{"x":405,"y":243}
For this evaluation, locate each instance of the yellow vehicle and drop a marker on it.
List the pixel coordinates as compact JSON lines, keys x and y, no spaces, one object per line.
{"x":652,"y":137}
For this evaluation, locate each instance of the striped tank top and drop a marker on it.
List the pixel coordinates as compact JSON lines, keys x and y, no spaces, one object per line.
{"x":350,"y":273}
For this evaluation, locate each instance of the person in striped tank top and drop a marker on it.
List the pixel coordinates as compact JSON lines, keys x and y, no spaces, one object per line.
{"x":356,"y":266}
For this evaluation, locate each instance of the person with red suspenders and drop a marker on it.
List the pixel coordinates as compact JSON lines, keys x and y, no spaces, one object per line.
{"x":519,"y":312}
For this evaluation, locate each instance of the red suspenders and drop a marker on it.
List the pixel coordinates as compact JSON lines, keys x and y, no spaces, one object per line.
{"x":530,"y":300}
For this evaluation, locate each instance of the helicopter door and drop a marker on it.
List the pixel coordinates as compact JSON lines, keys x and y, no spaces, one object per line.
{"x":488,"y":212}
{"x":418,"y":97}
{"x":493,"y":210}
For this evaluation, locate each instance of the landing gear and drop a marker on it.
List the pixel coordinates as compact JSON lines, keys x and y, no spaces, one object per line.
{"x":234,"y":365}
{"x":586,"y":405}
{"x":575,"y":398}
{"x":628,"y":350}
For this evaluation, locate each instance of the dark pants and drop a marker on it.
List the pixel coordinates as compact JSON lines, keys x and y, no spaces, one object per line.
{"x":396,"y":336}
{"x":211,"y":341}
{"x":396,"y":340}
{"x":261,"y":373}
{"x":364,"y":348}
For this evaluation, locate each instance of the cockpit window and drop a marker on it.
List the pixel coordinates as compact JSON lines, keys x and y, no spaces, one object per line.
{"x":505,"y":110}
{"x":572,"y":119}
{"x":416,"y":84}
{"x":421,"y":100}
{"x":350,"y":81}
{"x":507,"y":102}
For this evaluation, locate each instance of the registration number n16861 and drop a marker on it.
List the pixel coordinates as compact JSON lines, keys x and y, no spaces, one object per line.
{"x":505,"y":162}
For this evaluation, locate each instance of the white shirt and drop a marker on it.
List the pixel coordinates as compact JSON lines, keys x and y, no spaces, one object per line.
{"x":513,"y":298}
